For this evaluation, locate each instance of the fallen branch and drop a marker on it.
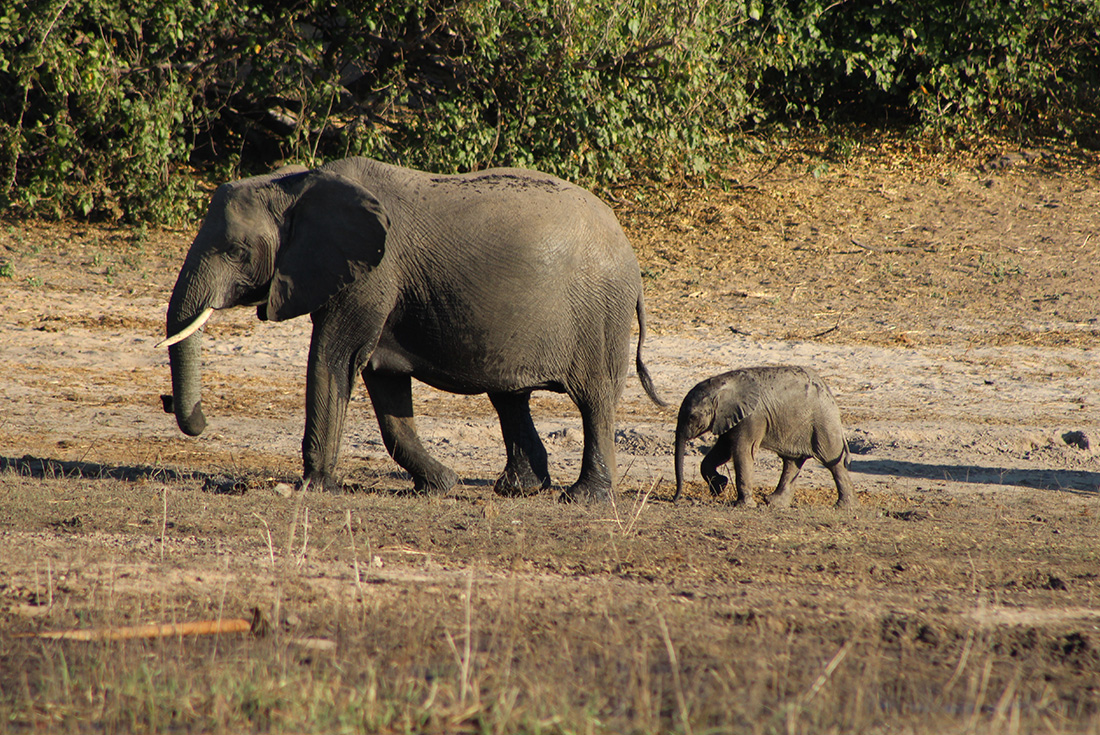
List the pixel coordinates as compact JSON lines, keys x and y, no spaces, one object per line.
{"x":827,"y":331}
{"x":257,"y":626}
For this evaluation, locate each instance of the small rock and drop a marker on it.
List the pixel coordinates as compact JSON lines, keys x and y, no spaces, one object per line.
{"x":283,"y":489}
{"x":1076,"y":439}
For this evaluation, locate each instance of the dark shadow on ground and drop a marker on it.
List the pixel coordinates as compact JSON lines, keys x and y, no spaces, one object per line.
{"x":214,"y":482}
{"x":45,"y":467}
{"x":1073,"y":481}
{"x":59,"y":469}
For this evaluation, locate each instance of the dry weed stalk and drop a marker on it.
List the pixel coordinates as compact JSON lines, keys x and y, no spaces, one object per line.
{"x":827,"y":673}
{"x":1007,"y":708}
{"x":674,"y":662}
{"x":354,"y":553}
{"x":287,"y":564}
{"x":305,"y":539}
{"x":463,"y":659}
{"x":978,"y":696}
{"x":963,"y":658}
{"x":636,"y":509}
{"x":796,"y":708}
{"x":270,"y":543}
{"x":221,"y":607}
{"x":163,"y":520}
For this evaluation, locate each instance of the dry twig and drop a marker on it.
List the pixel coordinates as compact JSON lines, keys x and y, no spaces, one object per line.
{"x":256,"y":626}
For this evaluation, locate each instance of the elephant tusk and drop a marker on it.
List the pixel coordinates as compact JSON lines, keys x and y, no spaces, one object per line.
{"x":188,"y":330}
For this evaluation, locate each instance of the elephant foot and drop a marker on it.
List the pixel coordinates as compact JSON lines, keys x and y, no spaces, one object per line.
{"x":436,"y":483}
{"x":848,"y":502}
{"x":515,"y":484}
{"x":584,"y":493}
{"x":322,"y":481}
{"x":778,"y":500}
{"x":745,"y":500}
{"x":717,"y":484}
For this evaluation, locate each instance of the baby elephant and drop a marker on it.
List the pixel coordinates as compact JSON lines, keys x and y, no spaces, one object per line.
{"x":788,"y":410}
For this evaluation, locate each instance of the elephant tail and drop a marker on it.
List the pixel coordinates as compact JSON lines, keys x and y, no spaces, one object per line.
{"x":643,"y":373}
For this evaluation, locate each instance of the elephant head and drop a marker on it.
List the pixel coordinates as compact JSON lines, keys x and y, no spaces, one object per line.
{"x":717,"y":405}
{"x":284,"y":243}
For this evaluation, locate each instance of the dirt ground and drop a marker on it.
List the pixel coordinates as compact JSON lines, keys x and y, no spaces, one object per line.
{"x":948,"y":298}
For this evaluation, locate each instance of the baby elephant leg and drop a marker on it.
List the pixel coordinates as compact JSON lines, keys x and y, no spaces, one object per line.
{"x":708,"y":468}
{"x":743,"y":457}
{"x":846,"y":494}
{"x":781,"y":498}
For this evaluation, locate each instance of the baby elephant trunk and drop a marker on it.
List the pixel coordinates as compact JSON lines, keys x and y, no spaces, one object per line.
{"x":682,"y":438}
{"x":696,"y":417}
{"x":681,"y":443}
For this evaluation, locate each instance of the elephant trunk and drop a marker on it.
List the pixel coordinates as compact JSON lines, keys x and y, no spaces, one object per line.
{"x":186,"y":360}
{"x":189,"y":307}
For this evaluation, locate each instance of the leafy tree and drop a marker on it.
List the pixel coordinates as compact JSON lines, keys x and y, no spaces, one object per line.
{"x":117,"y":110}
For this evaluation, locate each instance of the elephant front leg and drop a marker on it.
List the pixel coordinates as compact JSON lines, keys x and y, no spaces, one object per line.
{"x":326,"y":406}
{"x":525,"y":472}
{"x":718,"y":455}
{"x":391,"y":396}
{"x":743,"y":459}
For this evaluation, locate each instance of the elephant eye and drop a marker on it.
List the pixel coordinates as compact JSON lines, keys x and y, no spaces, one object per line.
{"x":238,"y":253}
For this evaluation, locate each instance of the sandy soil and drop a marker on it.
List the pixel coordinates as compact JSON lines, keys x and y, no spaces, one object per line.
{"x":948,"y":300}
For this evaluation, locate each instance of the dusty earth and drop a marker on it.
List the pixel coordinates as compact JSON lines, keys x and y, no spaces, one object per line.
{"x":948,"y":298}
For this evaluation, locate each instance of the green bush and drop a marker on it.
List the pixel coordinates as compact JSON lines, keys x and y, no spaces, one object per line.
{"x":108,"y":109}
{"x":95,"y":114}
{"x":1017,"y":69}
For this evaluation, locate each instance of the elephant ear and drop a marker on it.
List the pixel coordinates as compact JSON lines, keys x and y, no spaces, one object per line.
{"x":333,"y":234}
{"x":740,"y":397}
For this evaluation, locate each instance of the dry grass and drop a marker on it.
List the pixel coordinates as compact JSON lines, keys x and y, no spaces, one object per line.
{"x":440,"y":615}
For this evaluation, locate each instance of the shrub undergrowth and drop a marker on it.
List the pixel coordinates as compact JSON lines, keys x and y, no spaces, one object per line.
{"x":108,"y":109}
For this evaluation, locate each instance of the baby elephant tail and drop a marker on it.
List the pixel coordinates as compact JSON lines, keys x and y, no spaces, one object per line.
{"x":643,"y":373}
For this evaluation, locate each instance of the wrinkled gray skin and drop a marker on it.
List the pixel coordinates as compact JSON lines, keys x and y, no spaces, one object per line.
{"x":500,"y":282}
{"x":787,"y":410}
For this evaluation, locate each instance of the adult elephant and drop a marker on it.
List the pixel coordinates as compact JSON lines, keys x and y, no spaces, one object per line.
{"x":501,"y":282}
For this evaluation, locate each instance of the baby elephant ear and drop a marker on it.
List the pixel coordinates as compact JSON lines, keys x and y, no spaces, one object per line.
{"x":334,"y":234}
{"x":736,"y":400}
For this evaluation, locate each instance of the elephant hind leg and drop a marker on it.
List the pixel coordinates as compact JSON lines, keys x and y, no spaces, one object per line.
{"x":781,"y":498}
{"x":525,"y":472}
{"x":391,"y":396}
{"x":846,"y":494}
{"x":598,"y":462}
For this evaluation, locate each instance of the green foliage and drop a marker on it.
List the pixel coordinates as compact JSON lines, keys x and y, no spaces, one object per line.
{"x":94,"y":113}
{"x":106,"y":107}
{"x":1019,"y":69}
